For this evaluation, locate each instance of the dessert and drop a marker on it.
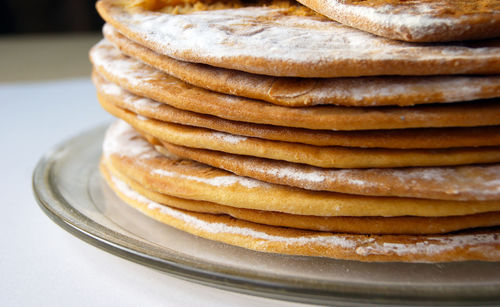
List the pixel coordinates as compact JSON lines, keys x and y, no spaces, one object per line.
{"x":418,"y":20}
{"x":273,"y":41}
{"x":367,"y":91}
{"x":267,"y":126}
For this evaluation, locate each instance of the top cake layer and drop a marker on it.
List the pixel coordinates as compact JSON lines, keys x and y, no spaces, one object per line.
{"x":273,"y":41}
{"x":416,"y":20}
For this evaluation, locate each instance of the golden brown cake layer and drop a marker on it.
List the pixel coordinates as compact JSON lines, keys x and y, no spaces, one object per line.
{"x":131,"y":155}
{"x":469,"y":245}
{"x":143,"y":80}
{"x":271,"y":41}
{"x":110,"y":93}
{"x":300,"y":92}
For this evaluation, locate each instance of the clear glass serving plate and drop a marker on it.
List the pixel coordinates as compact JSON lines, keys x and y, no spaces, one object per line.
{"x":68,"y":187}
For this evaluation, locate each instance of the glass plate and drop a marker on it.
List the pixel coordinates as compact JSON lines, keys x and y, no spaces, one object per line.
{"x":68,"y":187}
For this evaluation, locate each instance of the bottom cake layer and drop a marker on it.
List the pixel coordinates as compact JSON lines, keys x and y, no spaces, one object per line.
{"x":467,"y":245}
{"x":409,"y":225}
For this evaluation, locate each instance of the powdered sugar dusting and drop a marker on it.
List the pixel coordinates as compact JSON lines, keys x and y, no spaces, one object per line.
{"x":417,"y":20}
{"x":228,"y":138}
{"x":292,"y":173}
{"x":111,"y":89}
{"x":370,"y":91}
{"x":212,"y":227}
{"x":494,"y":183}
{"x":466,"y":182}
{"x":434,"y":174}
{"x":265,"y":33}
{"x":433,"y":246}
{"x":132,"y":101}
{"x":142,"y":102}
{"x":359,"y":91}
{"x":135,"y":72}
{"x":121,"y":139}
{"x":458,"y":183}
{"x":346,"y":175}
{"x":219,"y":181}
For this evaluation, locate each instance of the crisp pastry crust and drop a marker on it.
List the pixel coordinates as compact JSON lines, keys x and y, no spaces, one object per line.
{"x":143,"y":80}
{"x":469,"y":245}
{"x":327,"y":157}
{"x":131,"y":155}
{"x":111,"y":93}
{"x":299,"y":92}
{"x":417,"y":20}
{"x":272,"y":42}
{"x":345,"y":224}
{"x":471,"y":182}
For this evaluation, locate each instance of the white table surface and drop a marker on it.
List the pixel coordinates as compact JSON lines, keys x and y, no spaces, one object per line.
{"x":40,"y":263}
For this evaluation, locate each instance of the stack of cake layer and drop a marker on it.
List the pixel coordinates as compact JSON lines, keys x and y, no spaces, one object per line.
{"x":271,"y":127}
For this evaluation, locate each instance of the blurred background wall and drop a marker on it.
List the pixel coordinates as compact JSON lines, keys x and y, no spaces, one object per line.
{"x":48,"y":16}
{"x":47,"y":39}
